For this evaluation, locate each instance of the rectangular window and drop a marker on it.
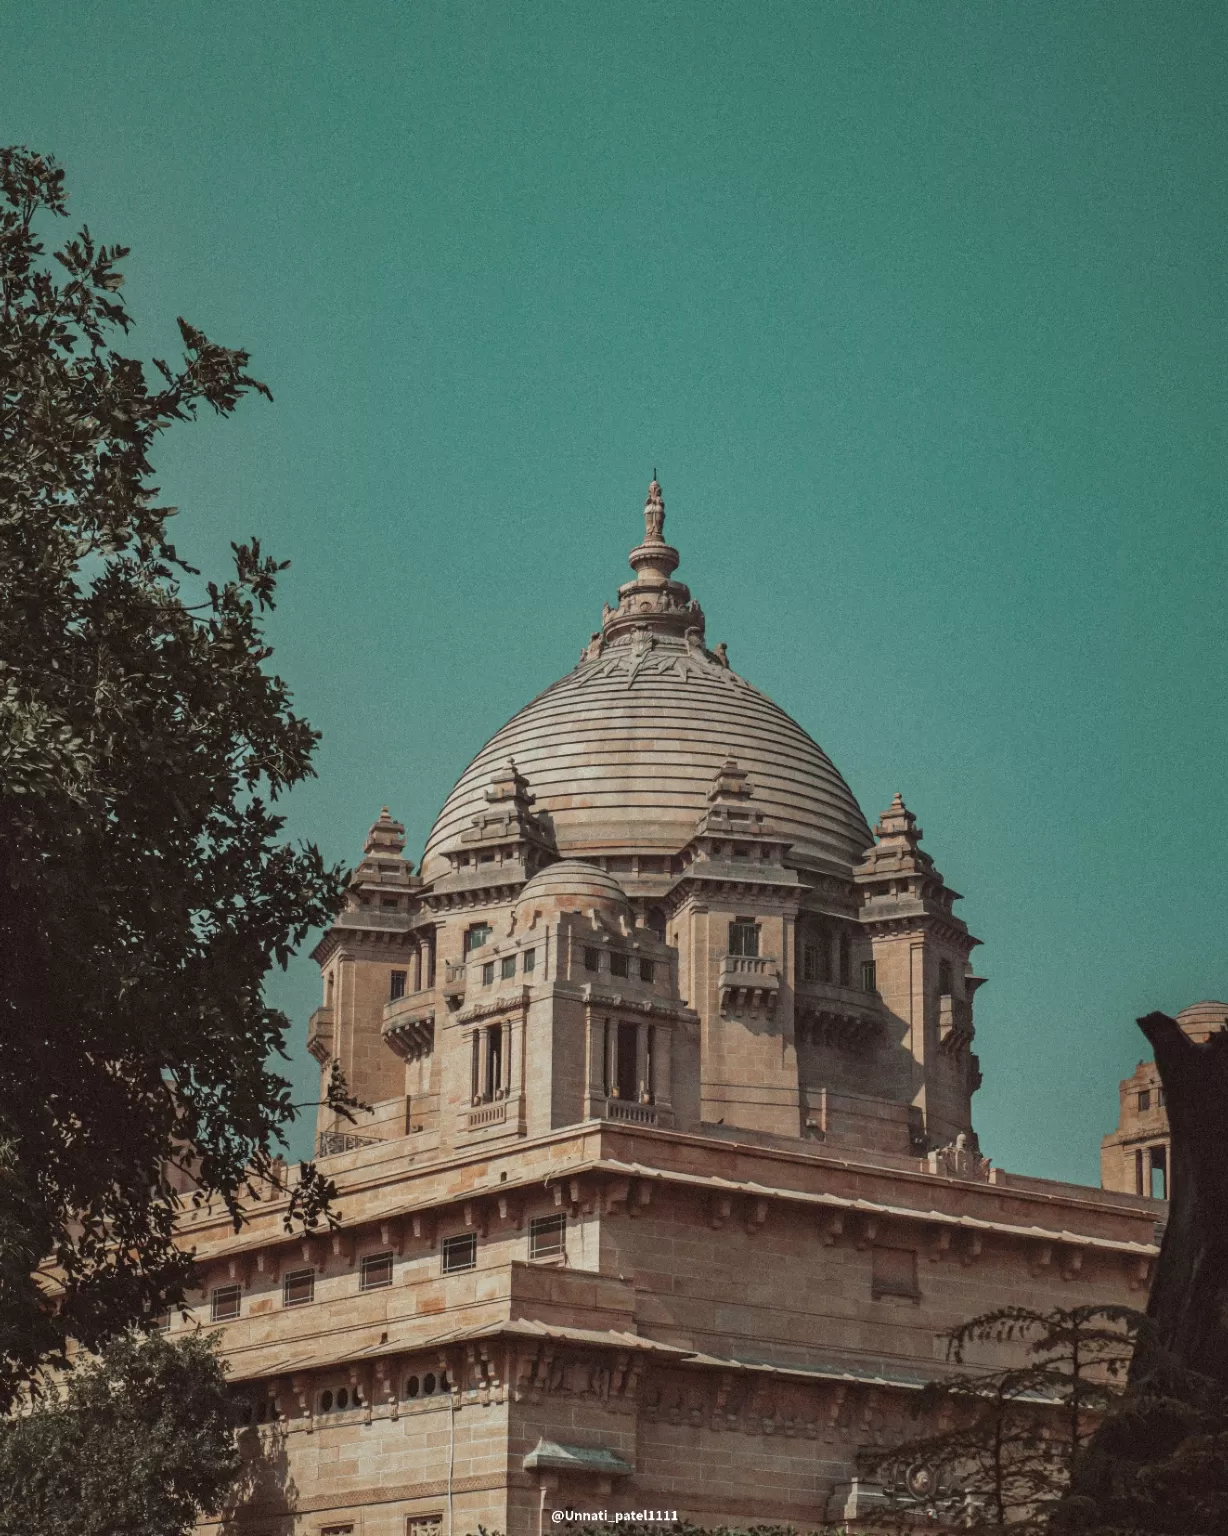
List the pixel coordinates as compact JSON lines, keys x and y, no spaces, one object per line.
{"x":743,"y":936}
{"x":376,"y":1272}
{"x":1159,"y":1174}
{"x":488,"y":973}
{"x":530,"y":960}
{"x":423,"y":1525}
{"x":1144,"y":1099}
{"x":225,"y":1303}
{"x":592,"y":959}
{"x":161,"y":1323}
{"x":1159,"y":1098}
{"x":476,"y":936}
{"x":810,"y":962}
{"x":460,"y":1253}
{"x":298,"y":1287}
{"x":869,"y":976}
{"x":625,"y":1085}
{"x":507,"y":967}
{"x":548,"y":1236}
{"x":647,"y":970}
{"x":618,"y":964}
{"x":846,"y":964}
{"x":494,"y":1062}
{"x":336,"y":1530}
{"x":894,"y":1272}
{"x":396,"y":985}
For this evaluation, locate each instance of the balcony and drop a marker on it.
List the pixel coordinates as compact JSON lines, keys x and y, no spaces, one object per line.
{"x":409,"y":1024}
{"x":331,"y":1143}
{"x":749,"y":982}
{"x":454,"y":982}
{"x":842,"y":1018}
{"x":320,"y":1035}
{"x":954,"y":1024}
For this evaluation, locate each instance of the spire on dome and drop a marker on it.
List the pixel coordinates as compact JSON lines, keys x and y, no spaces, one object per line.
{"x":653,"y":602}
{"x":386,"y":835}
{"x":897,"y":826}
{"x":731,"y":782}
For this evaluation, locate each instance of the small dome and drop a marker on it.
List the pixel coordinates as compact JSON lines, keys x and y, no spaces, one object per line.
{"x":571,"y":886}
{"x":1200,"y":1020}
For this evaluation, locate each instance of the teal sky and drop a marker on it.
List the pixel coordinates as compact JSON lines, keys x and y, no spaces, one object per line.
{"x":919,"y":310}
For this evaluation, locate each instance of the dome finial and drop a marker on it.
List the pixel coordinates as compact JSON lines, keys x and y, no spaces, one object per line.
{"x":654,"y":513}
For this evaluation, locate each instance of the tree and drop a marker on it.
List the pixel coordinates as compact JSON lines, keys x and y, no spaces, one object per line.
{"x":1007,"y":1439}
{"x":139,"y":1443}
{"x":144,"y":890}
{"x":1158,"y":1464}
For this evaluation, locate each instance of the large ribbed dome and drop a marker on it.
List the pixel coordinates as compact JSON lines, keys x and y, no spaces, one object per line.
{"x":621,"y":753}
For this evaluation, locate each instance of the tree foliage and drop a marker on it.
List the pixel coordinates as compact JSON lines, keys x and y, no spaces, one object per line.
{"x":1006,"y":1439}
{"x":144,"y":889}
{"x":139,"y":1443}
{"x":1158,"y":1464}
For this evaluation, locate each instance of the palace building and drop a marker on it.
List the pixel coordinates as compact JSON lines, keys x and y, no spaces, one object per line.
{"x":669,"y":1184}
{"x":1136,"y":1157}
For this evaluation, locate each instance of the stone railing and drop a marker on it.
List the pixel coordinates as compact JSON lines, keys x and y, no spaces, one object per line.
{"x":488,"y":1114}
{"x":627,"y":1110}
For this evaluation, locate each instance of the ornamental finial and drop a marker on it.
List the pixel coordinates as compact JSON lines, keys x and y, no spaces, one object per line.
{"x":654,"y":513}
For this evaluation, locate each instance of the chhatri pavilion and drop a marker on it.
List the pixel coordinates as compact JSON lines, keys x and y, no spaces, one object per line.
{"x":668,"y":1186}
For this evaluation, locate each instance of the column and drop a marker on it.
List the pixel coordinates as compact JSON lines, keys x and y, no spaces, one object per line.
{"x":611,"y":1058}
{"x":417,"y":987}
{"x":663,"y":1049}
{"x":642,"y":1089}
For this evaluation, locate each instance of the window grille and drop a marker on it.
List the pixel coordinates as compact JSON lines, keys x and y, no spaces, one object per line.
{"x":226,"y":1303}
{"x":460,"y":1253}
{"x":298,"y":1287}
{"x":376,"y":1271}
{"x":548,"y":1236}
{"x":869,"y":976}
{"x":743,"y":936}
{"x":396,"y":985}
{"x":476,"y":936}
